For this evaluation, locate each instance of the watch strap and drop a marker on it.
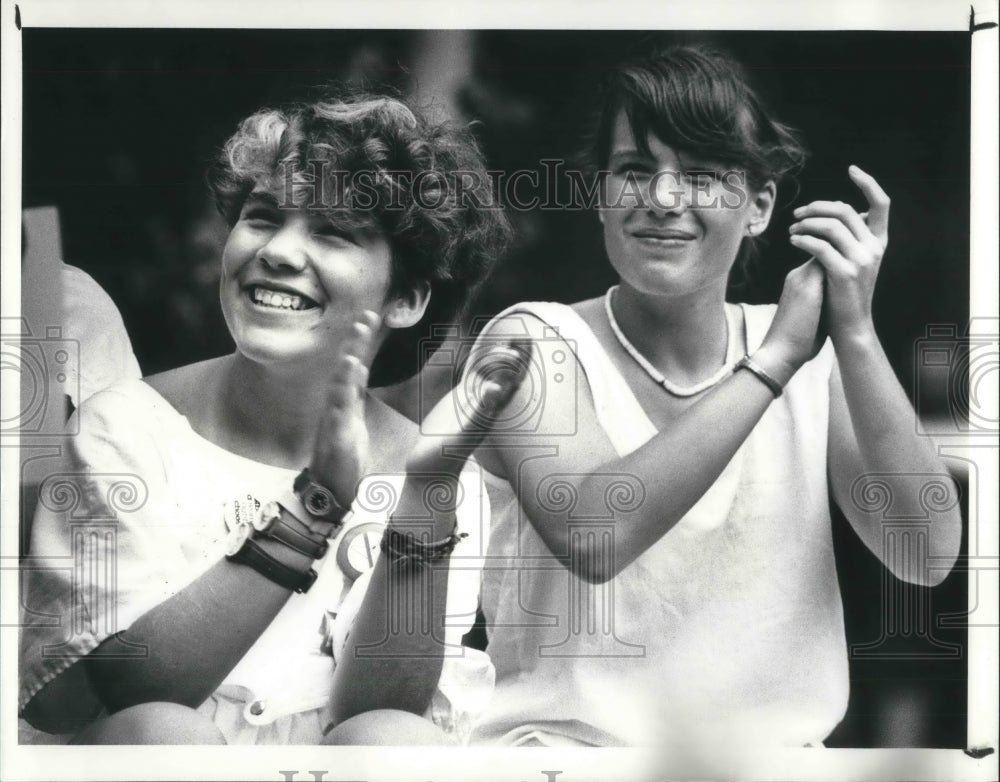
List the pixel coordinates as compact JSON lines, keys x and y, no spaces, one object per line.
{"x":254,"y":556}
{"x":277,"y":523}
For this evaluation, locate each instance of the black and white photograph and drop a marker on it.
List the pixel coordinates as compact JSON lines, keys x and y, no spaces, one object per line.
{"x":489,"y":392}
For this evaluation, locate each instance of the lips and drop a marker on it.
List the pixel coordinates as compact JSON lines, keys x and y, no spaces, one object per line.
{"x":664,"y":234}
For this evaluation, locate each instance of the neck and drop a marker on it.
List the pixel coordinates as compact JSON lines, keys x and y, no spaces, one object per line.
{"x":270,"y":412}
{"x":684,"y":337}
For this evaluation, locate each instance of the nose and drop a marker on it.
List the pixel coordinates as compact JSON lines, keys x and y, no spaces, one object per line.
{"x":669,"y":194}
{"x":286,"y":248}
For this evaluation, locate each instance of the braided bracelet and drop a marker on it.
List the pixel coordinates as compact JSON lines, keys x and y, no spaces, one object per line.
{"x":404,"y":547}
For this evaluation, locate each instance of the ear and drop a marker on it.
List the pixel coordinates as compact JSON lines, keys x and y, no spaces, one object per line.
{"x":406,"y":308}
{"x":761,"y":208}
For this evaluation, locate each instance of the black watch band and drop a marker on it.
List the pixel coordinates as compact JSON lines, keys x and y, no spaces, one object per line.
{"x":254,"y":556}
{"x":278,"y":523}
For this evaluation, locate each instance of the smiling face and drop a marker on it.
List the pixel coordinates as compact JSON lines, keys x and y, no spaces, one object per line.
{"x":293,"y":282}
{"x":673,"y":225}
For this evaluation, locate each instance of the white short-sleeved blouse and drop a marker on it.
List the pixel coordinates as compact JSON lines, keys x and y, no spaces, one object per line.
{"x":137,"y":513}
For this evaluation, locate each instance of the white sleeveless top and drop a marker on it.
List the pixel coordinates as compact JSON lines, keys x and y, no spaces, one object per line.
{"x":729,"y":629}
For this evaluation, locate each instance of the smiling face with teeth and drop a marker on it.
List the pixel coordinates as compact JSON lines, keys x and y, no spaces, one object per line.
{"x":669,"y":247}
{"x":293,"y":282}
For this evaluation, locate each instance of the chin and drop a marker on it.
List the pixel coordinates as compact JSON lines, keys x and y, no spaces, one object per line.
{"x":270,"y":348}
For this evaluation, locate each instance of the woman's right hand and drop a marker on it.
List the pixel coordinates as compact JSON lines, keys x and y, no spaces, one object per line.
{"x":796,"y":334}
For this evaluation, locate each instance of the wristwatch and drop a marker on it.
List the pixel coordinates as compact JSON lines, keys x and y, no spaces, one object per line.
{"x":317,"y":500}
{"x":274,"y":521}
{"x":241,"y":548}
{"x":359,"y":548}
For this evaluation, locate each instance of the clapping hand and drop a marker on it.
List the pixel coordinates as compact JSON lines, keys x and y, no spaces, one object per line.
{"x":461,"y":420}
{"x":850,"y":247}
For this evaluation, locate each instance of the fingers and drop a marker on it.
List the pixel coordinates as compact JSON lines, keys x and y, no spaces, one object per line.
{"x":837,"y":210}
{"x":845,"y":242}
{"x":350,"y":374}
{"x":836,"y":233}
{"x":878,"y":202}
{"x":825,"y":253}
{"x":360,"y":341}
{"x":871,"y":228}
{"x":465,"y":416}
{"x":350,"y":379}
{"x":499,"y":372}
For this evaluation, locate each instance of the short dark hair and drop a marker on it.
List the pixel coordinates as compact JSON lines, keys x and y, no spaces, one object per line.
{"x":699,"y":101}
{"x":443,"y":237}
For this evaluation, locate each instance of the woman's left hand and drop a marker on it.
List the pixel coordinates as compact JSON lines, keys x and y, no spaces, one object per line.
{"x":850,"y":247}
{"x":466,"y":415}
{"x":340,"y":453}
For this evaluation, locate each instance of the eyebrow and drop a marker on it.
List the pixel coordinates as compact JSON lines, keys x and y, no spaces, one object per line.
{"x":629,"y":152}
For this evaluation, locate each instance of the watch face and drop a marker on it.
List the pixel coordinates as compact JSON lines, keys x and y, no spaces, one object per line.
{"x":237,"y":537}
{"x":268,"y":517}
{"x":318,"y":500}
{"x":359,"y":548}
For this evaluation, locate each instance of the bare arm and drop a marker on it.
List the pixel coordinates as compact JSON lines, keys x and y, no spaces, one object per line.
{"x":398,"y":635}
{"x":675,"y":468}
{"x":193,"y":640}
{"x":881,"y":468}
{"x":873,"y":437}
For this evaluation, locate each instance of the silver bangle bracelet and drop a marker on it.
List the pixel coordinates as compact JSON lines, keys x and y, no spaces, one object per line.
{"x":766,"y":379}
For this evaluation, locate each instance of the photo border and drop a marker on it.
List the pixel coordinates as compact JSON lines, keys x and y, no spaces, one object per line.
{"x":51,"y":763}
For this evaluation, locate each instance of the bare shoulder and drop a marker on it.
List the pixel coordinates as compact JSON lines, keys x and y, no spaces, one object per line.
{"x":591,"y":311}
{"x":525,"y":322}
{"x":188,"y":388}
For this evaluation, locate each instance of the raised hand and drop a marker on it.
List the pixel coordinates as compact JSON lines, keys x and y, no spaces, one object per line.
{"x":795,"y":335}
{"x":850,"y":246}
{"x":468,"y":413}
{"x":341,"y":451}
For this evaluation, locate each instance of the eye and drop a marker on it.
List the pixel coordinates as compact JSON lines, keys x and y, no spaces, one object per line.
{"x":703,"y":174}
{"x":634,"y":167}
{"x":330,"y":230}
{"x":260,"y":215}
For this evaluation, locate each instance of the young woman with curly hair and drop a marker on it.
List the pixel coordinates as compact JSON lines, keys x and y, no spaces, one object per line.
{"x":190,"y":613}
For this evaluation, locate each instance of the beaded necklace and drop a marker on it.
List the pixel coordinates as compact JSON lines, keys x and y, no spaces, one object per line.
{"x":657,"y":376}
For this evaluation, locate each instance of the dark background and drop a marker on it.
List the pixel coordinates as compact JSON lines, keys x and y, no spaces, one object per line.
{"x":119,"y":125}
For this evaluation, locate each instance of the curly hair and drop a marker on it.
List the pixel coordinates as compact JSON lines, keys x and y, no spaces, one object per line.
{"x":371,"y":162}
{"x":699,"y":101}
